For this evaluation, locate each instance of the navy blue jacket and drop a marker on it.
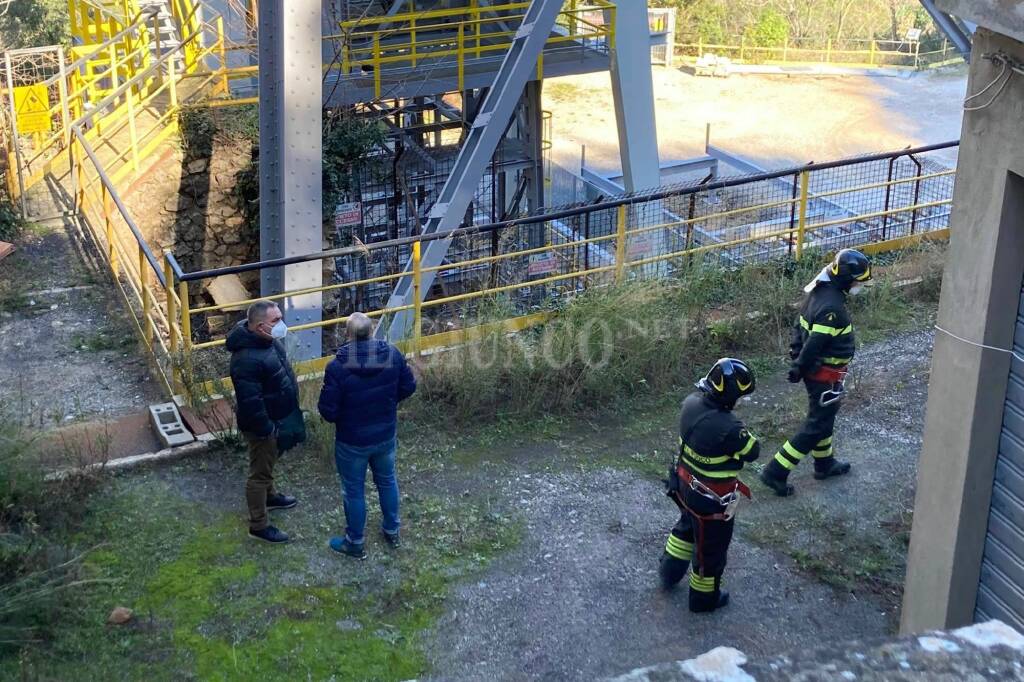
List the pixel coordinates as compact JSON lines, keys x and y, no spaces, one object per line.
{"x":362,"y":388}
{"x":264,"y":382}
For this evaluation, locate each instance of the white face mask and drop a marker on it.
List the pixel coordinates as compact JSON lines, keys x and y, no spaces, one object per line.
{"x":279,"y":330}
{"x":856,"y":289}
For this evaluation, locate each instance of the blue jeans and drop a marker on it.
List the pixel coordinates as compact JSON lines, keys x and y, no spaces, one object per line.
{"x":352,"y":462}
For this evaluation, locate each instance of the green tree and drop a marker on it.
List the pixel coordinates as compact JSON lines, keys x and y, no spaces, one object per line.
{"x":33,"y":23}
{"x":771,"y":29}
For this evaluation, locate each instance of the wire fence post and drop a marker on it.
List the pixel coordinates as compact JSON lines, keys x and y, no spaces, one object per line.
{"x":417,"y":298}
{"x":792,"y":211}
{"x":917,"y":194}
{"x":804,"y":178}
{"x":888,"y":196}
{"x":620,"y":246}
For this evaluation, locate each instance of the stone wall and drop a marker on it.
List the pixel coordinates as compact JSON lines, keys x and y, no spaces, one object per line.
{"x":188,"y":204}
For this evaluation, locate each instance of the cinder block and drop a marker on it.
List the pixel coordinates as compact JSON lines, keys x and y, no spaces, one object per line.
{"x":168,"y":425}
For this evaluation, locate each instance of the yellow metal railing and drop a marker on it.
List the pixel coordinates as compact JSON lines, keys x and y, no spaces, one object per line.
{"x":372,"y":46}
{"x":905,"y":218}
{"x":869,"y":53}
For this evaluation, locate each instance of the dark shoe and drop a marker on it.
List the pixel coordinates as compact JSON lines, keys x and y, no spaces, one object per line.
{"x":833,"y":468}
{"x":779,"y":485}
{"x":343,"y":546}
{"x":269,"y":534}
{"x":279,"y":501}
{"x":394,"y":540}
{"x":671,"y":570}
{"x":705,"y":603}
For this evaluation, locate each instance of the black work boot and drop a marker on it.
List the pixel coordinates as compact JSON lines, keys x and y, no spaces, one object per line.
{"x":705,"y":602}
{"x":672,"y":570}
{"x":774,"y":476}
{"x":827,"y":467}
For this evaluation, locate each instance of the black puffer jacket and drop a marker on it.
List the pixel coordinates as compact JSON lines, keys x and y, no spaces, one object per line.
{"x":265,"y":385}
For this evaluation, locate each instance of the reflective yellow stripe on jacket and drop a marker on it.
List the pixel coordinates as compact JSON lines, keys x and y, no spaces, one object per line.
{"x":824,"y":328}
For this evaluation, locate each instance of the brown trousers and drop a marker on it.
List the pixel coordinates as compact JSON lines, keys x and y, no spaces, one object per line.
{"x":262,"y":456}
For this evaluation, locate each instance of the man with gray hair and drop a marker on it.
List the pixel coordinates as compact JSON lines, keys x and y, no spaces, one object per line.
{"x":362,"y":388}
{"x":267,"y":410}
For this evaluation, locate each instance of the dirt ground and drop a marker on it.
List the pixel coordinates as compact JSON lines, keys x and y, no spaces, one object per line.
{"x":578,"y":599}
{"x":530,"y":552}
{"x":69,"y":353}
{"x":775,"y":121}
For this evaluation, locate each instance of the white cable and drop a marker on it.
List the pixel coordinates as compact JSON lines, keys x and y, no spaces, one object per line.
{"x":980,"y":345}
{"x":993,"y":97}
{"x":994,"y":80}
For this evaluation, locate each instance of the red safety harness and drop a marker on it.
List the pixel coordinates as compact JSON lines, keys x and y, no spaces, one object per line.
{"x":720,"y":491}
{"x":828,"y":375}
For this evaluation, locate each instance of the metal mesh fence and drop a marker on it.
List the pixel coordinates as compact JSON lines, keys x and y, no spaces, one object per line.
{"x":531,"y":263}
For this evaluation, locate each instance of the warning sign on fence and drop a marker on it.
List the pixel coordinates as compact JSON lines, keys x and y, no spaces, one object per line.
{"x":32,"y":105}
{"x":542,"y":264}
{"x":348,"y":215}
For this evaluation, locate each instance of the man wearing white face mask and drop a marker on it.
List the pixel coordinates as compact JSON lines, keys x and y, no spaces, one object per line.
{"x":821,"y":351}
{"x":267,"y":410}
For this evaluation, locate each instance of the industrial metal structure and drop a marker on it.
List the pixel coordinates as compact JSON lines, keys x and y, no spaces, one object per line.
{"x":459,"y":215}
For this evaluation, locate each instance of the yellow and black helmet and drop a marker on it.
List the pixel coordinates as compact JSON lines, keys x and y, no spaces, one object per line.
{"x":728,"y":381}
{"x":849,"y":266}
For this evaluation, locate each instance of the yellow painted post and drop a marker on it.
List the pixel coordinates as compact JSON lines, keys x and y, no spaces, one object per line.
{"x":785,"y":50}
{"x":147,"y":303}
{"x":460,"y":57}
{"x":133,"y":136}
{"x":802,"y":224}
{"x":417,"y":298}
{"x":172,"y":85}
{"x":871,"y":59}
{"x":700,"y":46}
{"x":540,"y":66}
{"x":412,"y":38}
{"x":376,"y":64}
{"x":620,"y":246}
{"x":186,"y":334}
{"x":186,"y":318}
{"x":225,"y":88}
{"x":109,"y":224}
{"x":828,"y":51}
{"x":476,"y":27}
{"x":172,"y":311}
{"x":62,"y":92}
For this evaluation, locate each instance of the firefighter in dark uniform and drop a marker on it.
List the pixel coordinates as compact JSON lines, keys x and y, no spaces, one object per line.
{"x":713,"y":447}
{"x":821,"y":351}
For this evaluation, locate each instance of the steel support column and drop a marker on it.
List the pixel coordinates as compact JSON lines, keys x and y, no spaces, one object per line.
{"x":290,"y":150}
{"x":488,"y":127}
{"x":633,"y":93}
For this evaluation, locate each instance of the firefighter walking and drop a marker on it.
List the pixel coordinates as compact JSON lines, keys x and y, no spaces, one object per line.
{"x":822,"y":348}
{"x":713,"y":447}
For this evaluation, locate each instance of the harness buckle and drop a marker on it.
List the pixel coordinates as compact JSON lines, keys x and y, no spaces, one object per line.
{"x":833,"y":395}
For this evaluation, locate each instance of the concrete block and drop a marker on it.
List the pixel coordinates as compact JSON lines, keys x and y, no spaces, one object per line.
{"x":168,"y":425}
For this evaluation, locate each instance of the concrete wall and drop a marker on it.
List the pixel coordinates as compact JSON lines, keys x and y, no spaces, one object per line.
{"x":1001,"y":16}
{"x":980,"y":290}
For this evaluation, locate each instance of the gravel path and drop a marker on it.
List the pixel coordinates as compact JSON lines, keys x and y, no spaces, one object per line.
{"x":68,"y":352}
{"x":579,"y":598}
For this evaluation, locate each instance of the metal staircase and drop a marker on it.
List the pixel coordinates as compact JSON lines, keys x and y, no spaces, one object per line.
{"x":166,"y":34}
